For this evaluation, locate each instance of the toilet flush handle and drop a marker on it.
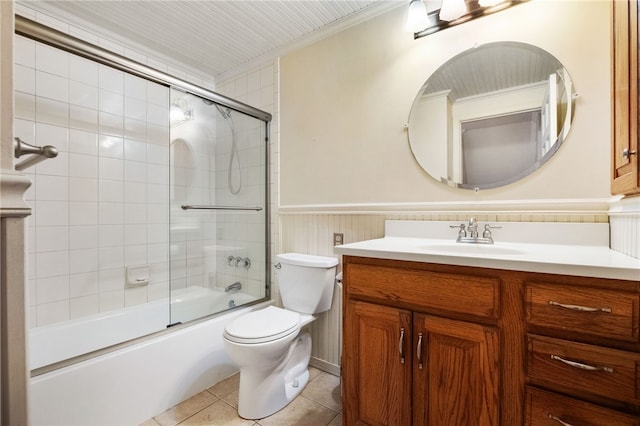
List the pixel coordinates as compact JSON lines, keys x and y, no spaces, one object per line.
{"x":277,"y":265}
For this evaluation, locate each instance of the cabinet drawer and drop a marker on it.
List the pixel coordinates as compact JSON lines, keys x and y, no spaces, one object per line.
{"x":465,"y":294}
{"x":579,"y":368}
{"x":595,"y":312}
{"x":549,"y":409}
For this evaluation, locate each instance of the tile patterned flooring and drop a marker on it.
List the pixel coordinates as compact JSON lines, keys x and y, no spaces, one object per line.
{"x":319,"y":404}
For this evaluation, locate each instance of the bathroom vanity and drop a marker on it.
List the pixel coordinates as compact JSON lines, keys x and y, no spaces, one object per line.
{"x":441,"y":334}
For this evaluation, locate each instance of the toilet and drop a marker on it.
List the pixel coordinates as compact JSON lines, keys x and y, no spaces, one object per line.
{"x":268,"y":345}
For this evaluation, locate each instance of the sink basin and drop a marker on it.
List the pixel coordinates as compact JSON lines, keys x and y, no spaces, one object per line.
{"x":477,"y":249}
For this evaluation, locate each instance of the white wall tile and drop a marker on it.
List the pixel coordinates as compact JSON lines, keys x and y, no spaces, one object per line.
{"x":83,"y":237}
{"x":51,"y":213}
{"x":82,"y":142}
{"x":110,"y":79}
{"x":83,"y":284}
{"x":52,"y":264}
{"x":110,"y":213}
{"x":135,"y":213}
{"x":83,"y":95}
{"x":83,"y":166}
{"x":135,"y":150}
{"x":135,"y":87}
{"x":84,"y":261}
{"x":83,"y":71}
{"x":83,"y":189}
{"x":24,"y":79}
{"x":111,"y":235}
{"x":49,"y":313}
{"x":24,"y":106}
{"x":135,"y":171}
{"x":83,"y":118}
{"x":52,"y":60}
{"x":52,"y":188}
{"x":83,"y":213}
{"x":110,"y":124}
{"x":111,"y":168}
{"x":52,"y":86}
{"x":24,"y":51}
{"x":112,"y":257}
{"x":111,"y":102}
{"x":52,"y":289}
{"x":84,"y":306}
{"x":52,"y":238}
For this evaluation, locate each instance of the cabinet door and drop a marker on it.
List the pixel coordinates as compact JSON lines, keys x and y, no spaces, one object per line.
{"x":625,"y":179}
{"x":456,"y":380}
{"x":376,"y":365}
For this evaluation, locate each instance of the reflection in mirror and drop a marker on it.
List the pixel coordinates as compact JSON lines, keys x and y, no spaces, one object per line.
{"x":491,"y":115}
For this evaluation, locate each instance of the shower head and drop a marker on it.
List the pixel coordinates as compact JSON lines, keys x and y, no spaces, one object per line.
{"x":226,"y":112}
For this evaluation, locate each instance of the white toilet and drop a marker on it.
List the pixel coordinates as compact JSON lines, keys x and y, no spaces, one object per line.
{"x":267,"y":344}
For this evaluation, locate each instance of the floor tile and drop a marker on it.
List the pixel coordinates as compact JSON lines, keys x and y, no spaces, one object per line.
{"x":325,"y":389}
{"x":217,"y":414}
{"x":175,"y":415}
{"x":318,"y":405}
{"x":337,"y":420}
{"x":227,"y":390}
{"x":300,"y":412}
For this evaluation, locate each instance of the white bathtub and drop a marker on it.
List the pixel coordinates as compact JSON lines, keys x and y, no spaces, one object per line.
{"x":67,"y":339}
{"x":129,"y":385}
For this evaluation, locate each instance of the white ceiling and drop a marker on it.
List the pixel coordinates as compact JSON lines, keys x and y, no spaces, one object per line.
{"x":216,"y":37}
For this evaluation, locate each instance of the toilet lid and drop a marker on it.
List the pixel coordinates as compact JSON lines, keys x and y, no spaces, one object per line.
{"x":263,"y":325}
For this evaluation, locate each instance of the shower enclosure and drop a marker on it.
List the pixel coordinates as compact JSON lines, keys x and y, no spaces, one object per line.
{"x":155,"y":212}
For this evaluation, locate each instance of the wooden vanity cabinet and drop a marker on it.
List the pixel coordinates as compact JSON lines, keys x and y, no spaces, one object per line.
{"x":429,"y":344}
{"x":421,"y":345}
{"x":625,"y":113}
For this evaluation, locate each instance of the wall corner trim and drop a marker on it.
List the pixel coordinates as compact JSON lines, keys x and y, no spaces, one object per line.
{"x":13,"y":185}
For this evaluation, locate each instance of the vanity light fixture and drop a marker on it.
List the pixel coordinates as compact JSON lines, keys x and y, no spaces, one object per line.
{"x":417,"y":18}
{"x":179,"y":112}
{"x":456,"y":12}
{"x":452,"y":10}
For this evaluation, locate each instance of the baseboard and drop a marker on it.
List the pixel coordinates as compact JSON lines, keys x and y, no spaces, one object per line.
{"x":325,"y":366}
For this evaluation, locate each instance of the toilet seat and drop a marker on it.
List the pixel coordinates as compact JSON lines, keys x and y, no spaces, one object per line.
{"x":263,"y":326}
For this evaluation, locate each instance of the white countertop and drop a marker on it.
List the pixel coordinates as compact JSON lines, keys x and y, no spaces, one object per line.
{"x":587,"y":257}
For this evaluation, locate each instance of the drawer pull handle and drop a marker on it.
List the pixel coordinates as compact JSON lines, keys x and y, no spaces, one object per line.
{"x":582,"y":366}
{"x":419,"y":351}
{"x":579,"y":308}
{"x":401,"y":346}
{"x":557,"y":419}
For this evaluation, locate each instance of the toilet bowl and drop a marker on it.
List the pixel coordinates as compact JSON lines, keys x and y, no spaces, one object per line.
{"x":270,"y":345}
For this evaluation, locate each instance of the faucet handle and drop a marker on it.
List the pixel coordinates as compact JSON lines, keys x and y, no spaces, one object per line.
{"x":487,"y":230}
{"x":462,"y":227}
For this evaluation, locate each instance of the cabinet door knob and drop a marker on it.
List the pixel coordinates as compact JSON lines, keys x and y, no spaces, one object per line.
{"x":401,"y":346}
{"x":627,"y":154}
{"x":581,"y":365}
{"x":419,"y":351}
{"x":557,"y":419}
{"x":579,"y":308}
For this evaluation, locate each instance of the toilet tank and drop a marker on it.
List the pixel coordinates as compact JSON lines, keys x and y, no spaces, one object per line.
{"x":306,"y":281}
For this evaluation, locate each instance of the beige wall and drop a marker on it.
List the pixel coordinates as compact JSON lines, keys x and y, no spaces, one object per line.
{"x":345,"y":99}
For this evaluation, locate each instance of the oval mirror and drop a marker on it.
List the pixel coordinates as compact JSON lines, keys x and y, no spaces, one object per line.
{"x":491,"y":115}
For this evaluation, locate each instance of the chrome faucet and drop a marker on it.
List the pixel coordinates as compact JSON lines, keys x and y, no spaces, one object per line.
{"x":469,"y":233}
{"x":232,"y":288}
{"x":473,"y":227}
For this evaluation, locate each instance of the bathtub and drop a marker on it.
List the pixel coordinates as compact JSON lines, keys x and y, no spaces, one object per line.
{"x":129,"y":385}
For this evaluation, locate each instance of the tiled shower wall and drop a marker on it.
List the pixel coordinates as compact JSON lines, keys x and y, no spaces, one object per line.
{"x":104,"y":198}
{"x":103,"y":203}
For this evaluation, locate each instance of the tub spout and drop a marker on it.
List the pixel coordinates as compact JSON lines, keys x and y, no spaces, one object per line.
{"x":232,"y":288}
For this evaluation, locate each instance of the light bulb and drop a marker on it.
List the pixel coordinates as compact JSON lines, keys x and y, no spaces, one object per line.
{"x":417,"y":18}
{"x":452,"y":9}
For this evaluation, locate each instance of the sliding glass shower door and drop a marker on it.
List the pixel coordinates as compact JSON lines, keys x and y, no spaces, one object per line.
{"x":218,"y":207}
